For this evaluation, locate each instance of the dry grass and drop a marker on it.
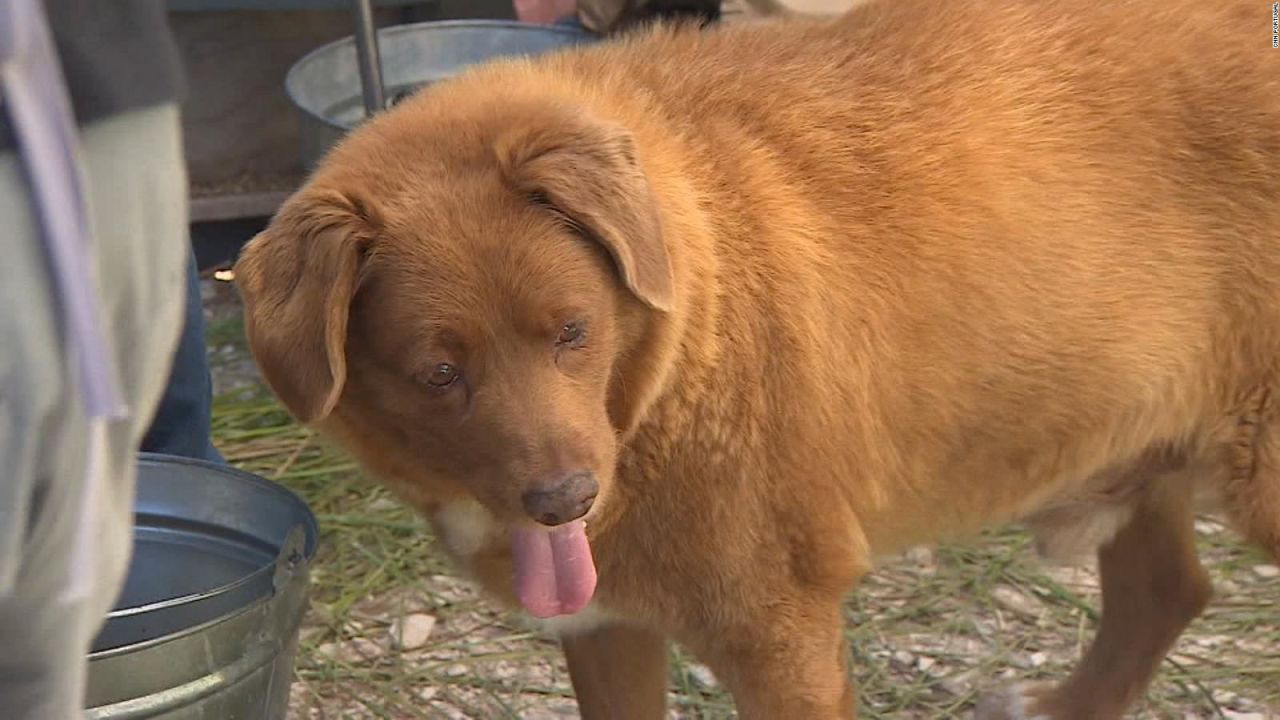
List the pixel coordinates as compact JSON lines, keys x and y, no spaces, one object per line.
{"x":928,"y":631}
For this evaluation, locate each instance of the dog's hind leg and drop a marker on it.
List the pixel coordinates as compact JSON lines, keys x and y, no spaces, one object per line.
{"x":1251,"y":494}
{"x":1153,"y":586}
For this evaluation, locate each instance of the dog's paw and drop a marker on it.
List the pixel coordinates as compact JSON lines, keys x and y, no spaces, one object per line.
{"x":1021,"y":701}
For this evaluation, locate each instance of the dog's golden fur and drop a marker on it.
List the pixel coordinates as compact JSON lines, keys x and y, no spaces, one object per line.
{"x":849,"y":286}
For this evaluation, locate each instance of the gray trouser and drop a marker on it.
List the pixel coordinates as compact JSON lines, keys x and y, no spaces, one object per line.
{"x":52,"y":601}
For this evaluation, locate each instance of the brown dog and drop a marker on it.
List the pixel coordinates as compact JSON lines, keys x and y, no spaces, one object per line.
{"x":677,"y":335}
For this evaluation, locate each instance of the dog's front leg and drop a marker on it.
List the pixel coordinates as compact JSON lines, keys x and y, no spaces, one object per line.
{"x":619,"y":672}
{"x":790,"y":662}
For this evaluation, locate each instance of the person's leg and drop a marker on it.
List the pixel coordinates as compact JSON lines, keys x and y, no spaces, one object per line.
{"x":182,"y":422}
{"x":53,"y":600}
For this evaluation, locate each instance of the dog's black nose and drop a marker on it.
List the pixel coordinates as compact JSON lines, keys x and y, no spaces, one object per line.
{"x":562,"y":500}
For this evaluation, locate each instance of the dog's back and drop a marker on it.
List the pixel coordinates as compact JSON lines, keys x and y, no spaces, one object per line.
{"x":1102,"y":189}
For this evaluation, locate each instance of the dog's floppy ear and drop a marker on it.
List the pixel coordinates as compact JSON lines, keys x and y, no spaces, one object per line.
{"x":298,"y":279}
{"x":587,"y":172}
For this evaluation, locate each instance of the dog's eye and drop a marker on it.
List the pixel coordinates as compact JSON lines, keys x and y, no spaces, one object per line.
{"x":442,"y":376}
{"x":570,"y":334}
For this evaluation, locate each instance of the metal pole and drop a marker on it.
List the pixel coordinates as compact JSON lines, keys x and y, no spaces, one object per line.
{"x":368,"y":57}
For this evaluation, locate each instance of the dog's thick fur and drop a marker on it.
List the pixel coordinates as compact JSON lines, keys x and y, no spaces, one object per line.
{"x":848,"y":286}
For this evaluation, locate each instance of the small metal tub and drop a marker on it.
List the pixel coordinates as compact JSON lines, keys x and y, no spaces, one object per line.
{"x":207,"y":624}
{"x":324,"y":86}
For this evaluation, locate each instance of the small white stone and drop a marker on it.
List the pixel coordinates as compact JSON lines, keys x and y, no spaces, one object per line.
{"x":449,"y":711}
{"x":1208,"y":527}
{"x":1211,"y":641}
{"x":383,"y":504}
{"x":365,"y":649}
{"x":960,"y":683}
{"x":1038,"y":658}
{"x":412,"y":631}
{"x":1225,"y":698}
{"x":903,"y":657}
{"x":924,"y":663}
{"x":921,"y":556}
{"x":352,"y":651}
{"x":1255,"y":646}
{"x":1014,"y":600}
{"x":702,"y":676}
{"x":1266,"y":571}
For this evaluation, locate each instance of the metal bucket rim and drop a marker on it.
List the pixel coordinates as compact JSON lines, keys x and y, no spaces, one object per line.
{"x":308,"y":521}
{"x":309,"y":518}
{"x":256,"y":605}
{"x":291,"y":75}
{"x":189,"y":598}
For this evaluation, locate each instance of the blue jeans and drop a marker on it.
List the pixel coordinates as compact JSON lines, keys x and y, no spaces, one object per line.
{"x":182,"y":422}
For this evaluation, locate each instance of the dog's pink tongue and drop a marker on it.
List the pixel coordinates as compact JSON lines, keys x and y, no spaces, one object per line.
{"x":555,"y":574}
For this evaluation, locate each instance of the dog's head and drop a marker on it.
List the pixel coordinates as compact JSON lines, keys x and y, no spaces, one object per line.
{"x":455,"y":295}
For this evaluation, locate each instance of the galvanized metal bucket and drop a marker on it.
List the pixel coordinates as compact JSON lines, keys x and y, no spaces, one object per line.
{"x":207,"y":625}
{"x":326,"y":88}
